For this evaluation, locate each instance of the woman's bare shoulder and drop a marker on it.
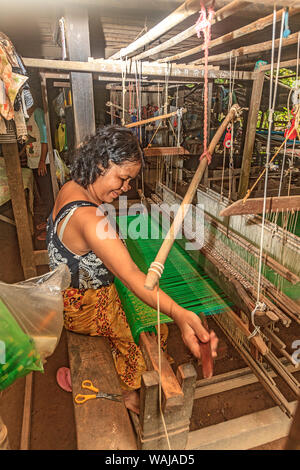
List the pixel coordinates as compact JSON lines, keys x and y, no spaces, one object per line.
{"x":70,"y":192}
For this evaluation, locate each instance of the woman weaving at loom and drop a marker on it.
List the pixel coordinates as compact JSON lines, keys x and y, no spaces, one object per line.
{"x":101,"y":172}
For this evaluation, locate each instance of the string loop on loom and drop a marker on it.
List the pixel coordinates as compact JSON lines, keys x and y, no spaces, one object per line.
{"x":261,"y":307}
{"x":157,"y":267}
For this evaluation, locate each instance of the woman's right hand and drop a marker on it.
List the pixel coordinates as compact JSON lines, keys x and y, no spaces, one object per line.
{"x":193,"y":333}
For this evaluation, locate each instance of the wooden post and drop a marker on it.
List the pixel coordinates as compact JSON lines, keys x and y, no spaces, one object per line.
{"x":55,"y":188}
{"x":26,"y":423}
{"x":16,"y":189}
{"x":78,"y":44}
{"x":251,"y":133}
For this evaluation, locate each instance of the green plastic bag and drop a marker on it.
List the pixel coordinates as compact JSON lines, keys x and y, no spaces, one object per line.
{"x":31,"y":322}
{"x":18,"y":355}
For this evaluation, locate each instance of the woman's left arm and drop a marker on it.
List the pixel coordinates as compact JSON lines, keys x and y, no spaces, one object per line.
{"x":114,"y":254}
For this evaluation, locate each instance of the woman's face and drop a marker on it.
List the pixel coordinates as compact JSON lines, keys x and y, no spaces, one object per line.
{"x":115,"y":181}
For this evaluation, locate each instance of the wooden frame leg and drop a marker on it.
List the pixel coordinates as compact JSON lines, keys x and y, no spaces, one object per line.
{"x":18,"y":199}
{"x":177,"y":402}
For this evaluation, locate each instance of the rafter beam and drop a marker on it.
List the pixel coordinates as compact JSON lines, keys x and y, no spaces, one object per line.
{"x":245,"y":50}
{"x":220,"y":15}
{"x":188,"y":8}
{"x":257,"y":25}
{"x":279,"y":3}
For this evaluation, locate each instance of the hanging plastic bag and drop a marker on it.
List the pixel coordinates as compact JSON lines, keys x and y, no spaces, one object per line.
{"x":62,"y":171}
{"x":31,"y":322}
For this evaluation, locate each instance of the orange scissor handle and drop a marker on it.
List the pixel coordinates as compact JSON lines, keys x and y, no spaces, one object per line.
{"x":83,"y":398}
{"x":89,"y":385}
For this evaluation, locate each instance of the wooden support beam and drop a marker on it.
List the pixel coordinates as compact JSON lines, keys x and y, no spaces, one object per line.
{"x":284,"y":64}
{"x":229,"y":381}
{"x":26,"y":422}
{"x":251,"y":133}
{"x":78,"y":40}
{"x":155,"y":69}
{"x":16,"y":189}
{"x":253,"y":49}
{"x":260,"y":24}
{"x":243,"y":433}
{"x":255,"y":206}
{"x":281,"y":3}
{"x":188,"y":8}
{"x":62,"y":84}
{"x":221,"y":14}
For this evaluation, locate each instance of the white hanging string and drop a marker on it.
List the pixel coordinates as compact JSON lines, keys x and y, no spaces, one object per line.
{"x":271,"y":112}
{"x":159,"y":369}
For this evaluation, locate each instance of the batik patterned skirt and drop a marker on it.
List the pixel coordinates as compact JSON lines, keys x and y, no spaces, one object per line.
{"x":99,"y":312}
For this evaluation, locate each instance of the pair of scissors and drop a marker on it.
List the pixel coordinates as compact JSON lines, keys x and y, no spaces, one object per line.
{"x":89,"y":385}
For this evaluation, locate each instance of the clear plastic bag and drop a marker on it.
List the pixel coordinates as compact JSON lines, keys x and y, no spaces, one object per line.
{"x":37,"y":306}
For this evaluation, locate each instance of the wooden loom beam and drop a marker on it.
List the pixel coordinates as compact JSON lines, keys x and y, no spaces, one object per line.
{"x":221,"y":14}
{"x":149,"y":426}
{"x":152,"y":277}
{"x":255,"y":206}
{"x":160,"y":151}
{"x":260,"y":24}
{"x":172,"y":393}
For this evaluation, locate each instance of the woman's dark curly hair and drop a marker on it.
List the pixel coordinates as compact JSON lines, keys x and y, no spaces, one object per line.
{"x":109,"y":144}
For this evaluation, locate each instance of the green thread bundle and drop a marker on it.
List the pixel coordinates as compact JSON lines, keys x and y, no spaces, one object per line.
{"x":183,"y":280}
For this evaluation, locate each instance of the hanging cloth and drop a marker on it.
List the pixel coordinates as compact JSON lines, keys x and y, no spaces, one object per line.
{"x":12,"y":83}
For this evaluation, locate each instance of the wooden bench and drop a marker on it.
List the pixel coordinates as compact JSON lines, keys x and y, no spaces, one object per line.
{"x":100,"y":424}
{"x":104,"y":424}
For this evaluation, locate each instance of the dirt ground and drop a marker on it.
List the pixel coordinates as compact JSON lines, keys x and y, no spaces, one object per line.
{"x":53,"y":426}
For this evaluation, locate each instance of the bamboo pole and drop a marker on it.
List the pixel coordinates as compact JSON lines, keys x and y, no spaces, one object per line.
{"x":112,"y":105}
{"x":152,"y":276}
{"x":153,"y":119}
{"x":257,"y":25}
{"x":188,"y":8}
{"x":221,"y":14}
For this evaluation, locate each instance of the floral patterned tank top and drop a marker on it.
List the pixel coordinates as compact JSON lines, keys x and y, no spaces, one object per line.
{"x":87,"y":271}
